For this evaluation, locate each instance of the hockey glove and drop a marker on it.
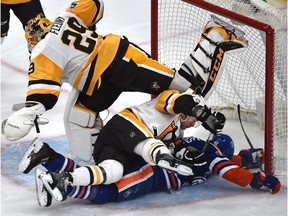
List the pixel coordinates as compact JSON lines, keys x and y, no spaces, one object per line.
{"x":211,"y":122}
{"x":20,"y":122}
{"x":267,"y":182}
{"x":195,"y":158}
{"x":252,"y":158}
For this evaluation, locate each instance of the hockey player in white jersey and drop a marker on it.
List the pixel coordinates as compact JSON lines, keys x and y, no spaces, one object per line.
{"x":143,"y":130}
{"x":99,"y":68}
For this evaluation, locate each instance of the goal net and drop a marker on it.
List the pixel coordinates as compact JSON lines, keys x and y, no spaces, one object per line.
{"x":255,"y":78}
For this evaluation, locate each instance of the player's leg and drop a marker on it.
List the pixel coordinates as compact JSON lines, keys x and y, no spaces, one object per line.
{"x":5,"y":18}
{"x":132,"y":136}
{"x":140,"y":179}
{"x":137,"y":71}
{"x":27,"y":11}
{"x":82,"y":124}
{"x":39,"y":152}
{"x":204,"y":65}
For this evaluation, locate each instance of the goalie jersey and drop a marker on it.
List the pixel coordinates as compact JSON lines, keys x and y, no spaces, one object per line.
{"x":71,"y":53}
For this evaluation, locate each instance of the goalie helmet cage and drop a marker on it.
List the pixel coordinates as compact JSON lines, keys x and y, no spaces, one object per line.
{"x":255,"y":78}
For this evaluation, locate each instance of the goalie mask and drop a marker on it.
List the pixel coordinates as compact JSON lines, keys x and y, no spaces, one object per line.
{"x":36,"y":29}
{"x":204,"y":66}
{"x":89,"y":11}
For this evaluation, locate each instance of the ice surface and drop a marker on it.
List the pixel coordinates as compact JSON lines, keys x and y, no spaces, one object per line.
{"x":18,"y":198}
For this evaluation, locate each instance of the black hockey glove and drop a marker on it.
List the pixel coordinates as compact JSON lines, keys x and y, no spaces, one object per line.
{"x":196,"y":158}
{"x":211,"y":122}
{"x":191,"y":156}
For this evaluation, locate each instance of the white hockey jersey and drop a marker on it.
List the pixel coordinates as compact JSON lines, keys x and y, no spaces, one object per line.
{"x":162,"y":125}
{"x":72,"y":53}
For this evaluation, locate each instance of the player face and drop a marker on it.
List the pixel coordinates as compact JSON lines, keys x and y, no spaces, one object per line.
{"x":187,"y":121}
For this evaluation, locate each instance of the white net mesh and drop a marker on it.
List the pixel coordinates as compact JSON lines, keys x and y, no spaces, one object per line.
{"x":243,"y":79}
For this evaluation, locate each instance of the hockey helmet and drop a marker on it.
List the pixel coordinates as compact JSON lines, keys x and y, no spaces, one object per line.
{"x":225,"y":144}
{"x":36,"y":29}
{"x":89,"y":11}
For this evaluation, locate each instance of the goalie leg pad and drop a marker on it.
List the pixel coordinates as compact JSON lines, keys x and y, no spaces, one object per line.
{"x":208,"y":58}
{"x":81,"y":129}
{"x":82,"y":117}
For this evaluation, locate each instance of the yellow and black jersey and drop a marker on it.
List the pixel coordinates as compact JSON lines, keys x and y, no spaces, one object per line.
{"x":69,"y":52}
{"x":14,"y":1}
{"x":100,"y":67}
{"x":132,"y":126}
{"x":152,"y":122}
{"x":89,"y":11}
{"x":175,"y":102}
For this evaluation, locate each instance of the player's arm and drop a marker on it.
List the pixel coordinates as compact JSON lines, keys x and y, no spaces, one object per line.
{"x":228,"y":170}
{"x":45,"y":80}
{"x":174,"y":102}
{"x":249,"y":158}
{"x":43,"y":91}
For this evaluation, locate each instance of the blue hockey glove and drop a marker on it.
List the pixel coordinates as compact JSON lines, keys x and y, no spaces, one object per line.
{"x":267,"y":182}
{"x":252,"y":158}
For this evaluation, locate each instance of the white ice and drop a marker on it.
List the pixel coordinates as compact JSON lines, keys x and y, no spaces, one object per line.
{"x":216,"y":197}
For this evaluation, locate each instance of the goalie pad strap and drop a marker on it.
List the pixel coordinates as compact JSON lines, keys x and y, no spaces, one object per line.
{"x":82,"y":117}
{"x":191,"y":78}
{"x":206,"y":70}
{"x":203,"y":50}
{"x":209,"y":40}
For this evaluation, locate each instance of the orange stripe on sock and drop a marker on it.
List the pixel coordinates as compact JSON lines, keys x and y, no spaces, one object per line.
{"x":134,"y":178}
{"x":82,"y":192}
{"x":173,"y":181}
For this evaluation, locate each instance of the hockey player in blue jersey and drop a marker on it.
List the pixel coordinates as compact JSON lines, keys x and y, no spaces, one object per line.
{"x":141,"y":177}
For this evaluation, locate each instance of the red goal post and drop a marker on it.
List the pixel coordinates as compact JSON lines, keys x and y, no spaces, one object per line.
{"x":176,"y":26}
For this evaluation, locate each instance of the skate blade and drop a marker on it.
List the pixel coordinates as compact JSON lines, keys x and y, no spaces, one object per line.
{"x":35,"y":146}
{"x":44,"y":198}
{"x":47,"y":180}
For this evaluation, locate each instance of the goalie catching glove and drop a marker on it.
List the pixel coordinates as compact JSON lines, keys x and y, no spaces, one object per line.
{"x":19,"y":124}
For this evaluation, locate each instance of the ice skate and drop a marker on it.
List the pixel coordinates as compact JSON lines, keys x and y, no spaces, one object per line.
{"x":37,"y":153}
{"x":44,"y":198}
{"x":56,"y":184}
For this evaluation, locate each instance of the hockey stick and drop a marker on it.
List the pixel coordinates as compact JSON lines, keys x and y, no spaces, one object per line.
{"x":246,"y":136}
{"x":208,"y":141}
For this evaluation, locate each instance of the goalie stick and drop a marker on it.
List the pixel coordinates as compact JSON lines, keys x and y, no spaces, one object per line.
{"x":246,"y":136}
